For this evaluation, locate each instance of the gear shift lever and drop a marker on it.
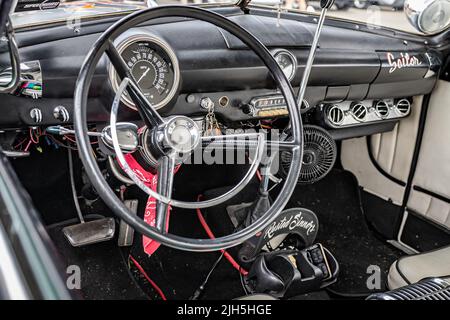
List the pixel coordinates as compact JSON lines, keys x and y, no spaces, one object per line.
{"x":325,"y":5}
{"x":262,"y":200}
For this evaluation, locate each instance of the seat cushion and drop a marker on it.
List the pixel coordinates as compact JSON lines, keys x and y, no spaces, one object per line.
{"x":411,"y":269}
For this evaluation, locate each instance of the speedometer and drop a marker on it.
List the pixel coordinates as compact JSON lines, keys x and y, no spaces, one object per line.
{"x":154,"y":67}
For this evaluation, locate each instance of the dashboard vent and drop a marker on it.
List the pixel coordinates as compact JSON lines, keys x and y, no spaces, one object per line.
{"x":359,"y":112}
{"x":382,"y":109}
{"x":319,"y":155}
{"x":335,"y":115}
{"x":403,"y":106}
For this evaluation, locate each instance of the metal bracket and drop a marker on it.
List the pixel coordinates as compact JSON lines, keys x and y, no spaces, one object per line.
{"x":243,"y":4}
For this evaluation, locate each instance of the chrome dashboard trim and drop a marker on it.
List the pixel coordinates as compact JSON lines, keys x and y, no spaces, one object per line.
{"x":30,"y":82}
{"x":372,"y":116}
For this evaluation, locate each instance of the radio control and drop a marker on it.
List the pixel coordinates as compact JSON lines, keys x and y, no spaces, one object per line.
{"x":269,"y":106}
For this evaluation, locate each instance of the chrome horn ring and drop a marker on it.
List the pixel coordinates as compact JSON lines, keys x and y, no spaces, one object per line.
{"x":176,"y":203}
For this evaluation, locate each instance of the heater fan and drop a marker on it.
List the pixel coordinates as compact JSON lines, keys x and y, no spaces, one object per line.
{"x":319,"y":155}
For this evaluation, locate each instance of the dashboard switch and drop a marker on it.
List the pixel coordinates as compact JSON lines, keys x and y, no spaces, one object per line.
{"x":36,"y":115}
{"x":60,"y":113}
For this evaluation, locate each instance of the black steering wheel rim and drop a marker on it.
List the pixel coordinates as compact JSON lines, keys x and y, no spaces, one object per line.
{"x":90,"y":164}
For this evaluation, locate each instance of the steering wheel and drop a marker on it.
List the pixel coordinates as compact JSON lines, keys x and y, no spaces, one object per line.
{"x":171,"y":137}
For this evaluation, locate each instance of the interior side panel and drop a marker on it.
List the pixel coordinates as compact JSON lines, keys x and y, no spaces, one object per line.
{"x":431,"y":184}
{"x":393,"y":153}
{"x":393,"y":150}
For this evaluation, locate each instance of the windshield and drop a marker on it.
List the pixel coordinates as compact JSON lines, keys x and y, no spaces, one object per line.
{"x":376,"y":13}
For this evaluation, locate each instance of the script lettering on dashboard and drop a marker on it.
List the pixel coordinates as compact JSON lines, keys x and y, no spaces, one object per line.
{"x":404,"y":61}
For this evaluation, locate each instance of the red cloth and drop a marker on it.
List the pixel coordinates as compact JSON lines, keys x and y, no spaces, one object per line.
{"x":151,"y":181}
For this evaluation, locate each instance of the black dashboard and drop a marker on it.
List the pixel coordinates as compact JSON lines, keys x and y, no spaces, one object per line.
{"x":359,"y":77}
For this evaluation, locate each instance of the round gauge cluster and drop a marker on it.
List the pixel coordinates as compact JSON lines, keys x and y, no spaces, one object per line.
{"x":287,"y":61}
{"x":154,"y":67}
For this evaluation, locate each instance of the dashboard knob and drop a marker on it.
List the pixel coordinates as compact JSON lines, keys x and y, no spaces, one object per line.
{"x":207,"y":103}
{"x":36,"y":115}
{"x":60,"y":113}
{"x":247,"y":108}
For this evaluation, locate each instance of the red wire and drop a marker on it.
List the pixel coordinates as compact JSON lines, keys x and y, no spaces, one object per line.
{"x":154,"y":285}
{"x":32,"y":138}
{"x":258,"y":174}
{"x":70,"y":139}
{"x":28,"y":146}
{"x":20,"y":143}
{"x":211,"y":236}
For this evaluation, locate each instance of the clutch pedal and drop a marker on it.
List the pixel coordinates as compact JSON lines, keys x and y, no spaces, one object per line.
{"x":89,"y":232}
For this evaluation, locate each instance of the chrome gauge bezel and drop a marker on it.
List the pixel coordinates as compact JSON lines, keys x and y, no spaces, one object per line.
{"x":122,"y":45}
{"x":291,"y":56}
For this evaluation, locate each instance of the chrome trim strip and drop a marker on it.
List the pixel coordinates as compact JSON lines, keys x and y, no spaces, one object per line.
{"x":13,"y":284}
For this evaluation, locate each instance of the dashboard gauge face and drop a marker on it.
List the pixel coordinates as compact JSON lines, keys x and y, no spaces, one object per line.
{"x":153,"y":65}
{"x":287,"y":62}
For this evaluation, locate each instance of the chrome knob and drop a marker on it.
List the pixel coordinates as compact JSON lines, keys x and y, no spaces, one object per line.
{"x":207,"y":103}
{"x":60,"y":113}
{"x":36,"y":115}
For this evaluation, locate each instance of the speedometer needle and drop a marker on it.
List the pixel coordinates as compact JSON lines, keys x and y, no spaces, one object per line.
{"x":143,"y":75}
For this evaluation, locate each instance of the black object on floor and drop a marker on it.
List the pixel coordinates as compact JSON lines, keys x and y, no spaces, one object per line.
{"x":344,"y":231}
{"x":104,"y":273}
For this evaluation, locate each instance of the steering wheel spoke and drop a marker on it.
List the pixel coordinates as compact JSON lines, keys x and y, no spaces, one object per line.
{"x":149,"y":114}
{"x":165,"y":175}
{"x":245,"y":141}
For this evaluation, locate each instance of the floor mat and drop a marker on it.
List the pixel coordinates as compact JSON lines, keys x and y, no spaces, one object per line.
{"x":179,"y":273}
{"x":105,"y":274}
{"x":343,"y":230}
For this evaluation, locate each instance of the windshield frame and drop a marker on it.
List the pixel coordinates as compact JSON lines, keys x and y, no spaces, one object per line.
{"x":330,"y":20}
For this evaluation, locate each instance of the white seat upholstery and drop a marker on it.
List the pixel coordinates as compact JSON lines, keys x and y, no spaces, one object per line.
{"x":411,"y":269}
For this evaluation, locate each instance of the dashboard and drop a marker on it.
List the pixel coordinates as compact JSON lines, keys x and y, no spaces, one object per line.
{"x":361,"y":78}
